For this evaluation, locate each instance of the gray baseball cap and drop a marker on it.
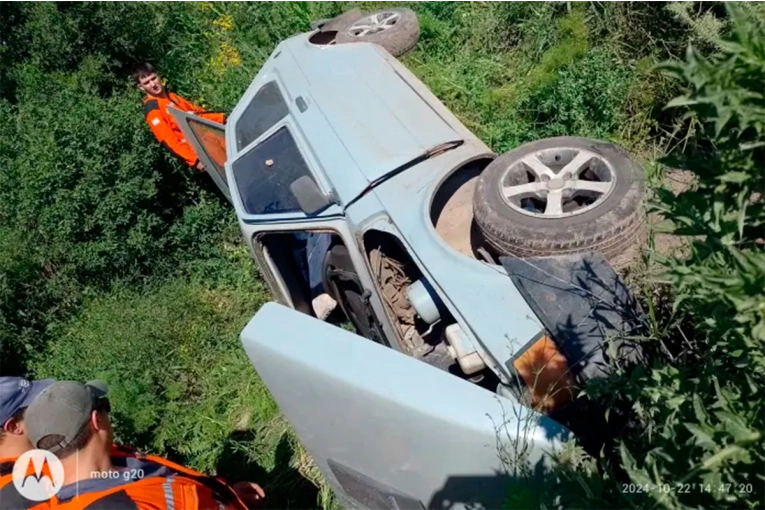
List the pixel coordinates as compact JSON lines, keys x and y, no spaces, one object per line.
{"x":63,"y":409}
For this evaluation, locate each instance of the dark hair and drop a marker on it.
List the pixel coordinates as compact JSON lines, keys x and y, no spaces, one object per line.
{"x":78,"y":443}
{"x":101,"y":405}
{"x":18,"y":415}
{"x":142,"y":70}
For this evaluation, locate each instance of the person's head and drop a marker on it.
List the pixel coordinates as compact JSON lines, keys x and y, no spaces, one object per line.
{"x":16,"y":394}
{"x":148,"y":80}
{"x":69,"y":417}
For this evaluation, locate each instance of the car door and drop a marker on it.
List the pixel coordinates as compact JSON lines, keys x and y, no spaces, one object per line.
{"x":208,"y":139}
{"x":386,"y":430}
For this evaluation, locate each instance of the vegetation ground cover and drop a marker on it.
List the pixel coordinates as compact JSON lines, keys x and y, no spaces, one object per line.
{"x":116,"y":262}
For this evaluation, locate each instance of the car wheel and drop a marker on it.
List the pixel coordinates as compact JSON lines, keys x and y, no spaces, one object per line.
{"x":341,"y":281}
{"x":397,"y":30}
{"x":561,"y":196}
{"x":317,"y":24}
{"x":338,"y":22}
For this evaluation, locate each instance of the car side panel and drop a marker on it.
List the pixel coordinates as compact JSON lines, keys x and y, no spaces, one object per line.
{"x":499,"y":323}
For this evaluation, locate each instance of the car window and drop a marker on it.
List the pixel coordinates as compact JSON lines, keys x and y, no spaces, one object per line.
{"x":266,"y":109}
{"x":213,"y":141}
{"x":264,"y":174}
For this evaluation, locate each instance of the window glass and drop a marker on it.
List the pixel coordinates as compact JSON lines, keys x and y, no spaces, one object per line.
{"x":266,"y":109}
{"x":264,"y":174}
{"x":213,"y":141}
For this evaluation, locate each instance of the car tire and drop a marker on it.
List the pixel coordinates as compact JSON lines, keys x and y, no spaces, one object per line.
{"x":341,"y":281}
{"x":317,"y":24}
{"x":397,"y":30}
{"x":594,"y":204}
{"x":338,"y":22}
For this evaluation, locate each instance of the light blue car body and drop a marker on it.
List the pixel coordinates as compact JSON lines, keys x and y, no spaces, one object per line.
{"x":357,"y":115}
{"x":367,"y":115}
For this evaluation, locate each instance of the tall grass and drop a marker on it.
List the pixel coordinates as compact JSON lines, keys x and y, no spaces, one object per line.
{"x":115,"y":262}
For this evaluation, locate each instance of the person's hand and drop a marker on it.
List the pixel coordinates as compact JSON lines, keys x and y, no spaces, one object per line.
{"x":199,"y":166}
{"x":250,"y":493}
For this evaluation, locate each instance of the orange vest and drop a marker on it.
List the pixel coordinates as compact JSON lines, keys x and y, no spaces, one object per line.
{"x":6,"y":470}
{"x":167,"y":131}
{"x":181,"y":489}
{"x":10,"y":499}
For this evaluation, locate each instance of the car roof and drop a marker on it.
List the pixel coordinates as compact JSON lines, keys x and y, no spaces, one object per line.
{"x":358,"y":113}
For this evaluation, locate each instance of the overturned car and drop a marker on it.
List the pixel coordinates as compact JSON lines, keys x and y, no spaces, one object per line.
{"x":478,"y":285}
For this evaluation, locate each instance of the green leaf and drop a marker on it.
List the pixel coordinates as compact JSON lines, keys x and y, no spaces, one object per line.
{"x":722,"y":120}
{"x":703,"y":438}
{"x":699,"y":410}
{"x":736,"y":426}
{"x":713,"y":479}
{"x":721,"y":456}
{"x":675,"y":402}
{"x":637,"y":475}
{"x":751,"y":145}
{"x":680,"y":101}
{"x":735,"y":177}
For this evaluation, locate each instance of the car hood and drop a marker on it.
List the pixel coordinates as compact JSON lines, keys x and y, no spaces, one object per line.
{"x":380,"y":114}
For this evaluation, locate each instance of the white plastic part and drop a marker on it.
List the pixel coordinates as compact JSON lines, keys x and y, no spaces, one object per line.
{"x":462,"y":350}
{"x":421,"y":296}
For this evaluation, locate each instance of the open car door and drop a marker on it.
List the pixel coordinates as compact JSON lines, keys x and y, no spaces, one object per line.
{"x":209,"y":141}
{"x":386,"y":430}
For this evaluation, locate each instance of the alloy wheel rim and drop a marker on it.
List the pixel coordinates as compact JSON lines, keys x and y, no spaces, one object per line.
{"x":374,"y":24}
{"x":557,"y":183}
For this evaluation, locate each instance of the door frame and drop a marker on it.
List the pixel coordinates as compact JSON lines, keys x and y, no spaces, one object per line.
{"x":338,"y":226}
{"x":182,"y":118}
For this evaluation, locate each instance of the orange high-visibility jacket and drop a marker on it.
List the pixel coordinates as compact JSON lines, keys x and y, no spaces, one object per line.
{"x":10,"y":499}
{"x":6,"y":470}
{"x":144,"y":482}
{"x":166,"y":129}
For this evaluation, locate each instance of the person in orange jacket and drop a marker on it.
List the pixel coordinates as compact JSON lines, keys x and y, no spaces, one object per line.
{"x":71,"y":420}
{"x":162,"y":124}
{"x":16,"y":394}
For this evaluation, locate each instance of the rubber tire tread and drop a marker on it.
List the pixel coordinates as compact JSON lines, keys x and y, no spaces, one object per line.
{"x":317,"y":24}
{"x":350,"y":302}
{"x":342,"y":21}
{"x":398,"y":40}
{"x":611,"y":228}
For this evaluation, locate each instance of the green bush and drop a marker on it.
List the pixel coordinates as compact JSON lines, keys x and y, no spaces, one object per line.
{"x":163,"y":350}
{"x":699,"y":404}
{"x":87,"y":197}
{"x":586,"y":98}
{"x":180,"y":385}
{"x":116,"y":261}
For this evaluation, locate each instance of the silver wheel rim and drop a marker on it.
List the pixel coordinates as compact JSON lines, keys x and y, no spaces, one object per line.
{"x":374,"y":24}
{"x":557,"y":183}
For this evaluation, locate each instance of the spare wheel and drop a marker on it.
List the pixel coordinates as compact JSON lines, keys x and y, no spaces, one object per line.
{"x":396,"y":29}
{"x":560,"y":196}
{"x":338,"y":22}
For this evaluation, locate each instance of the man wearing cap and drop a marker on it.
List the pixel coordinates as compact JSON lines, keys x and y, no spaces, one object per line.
{"x":71,"y":420}
{"x":16,"y":393}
